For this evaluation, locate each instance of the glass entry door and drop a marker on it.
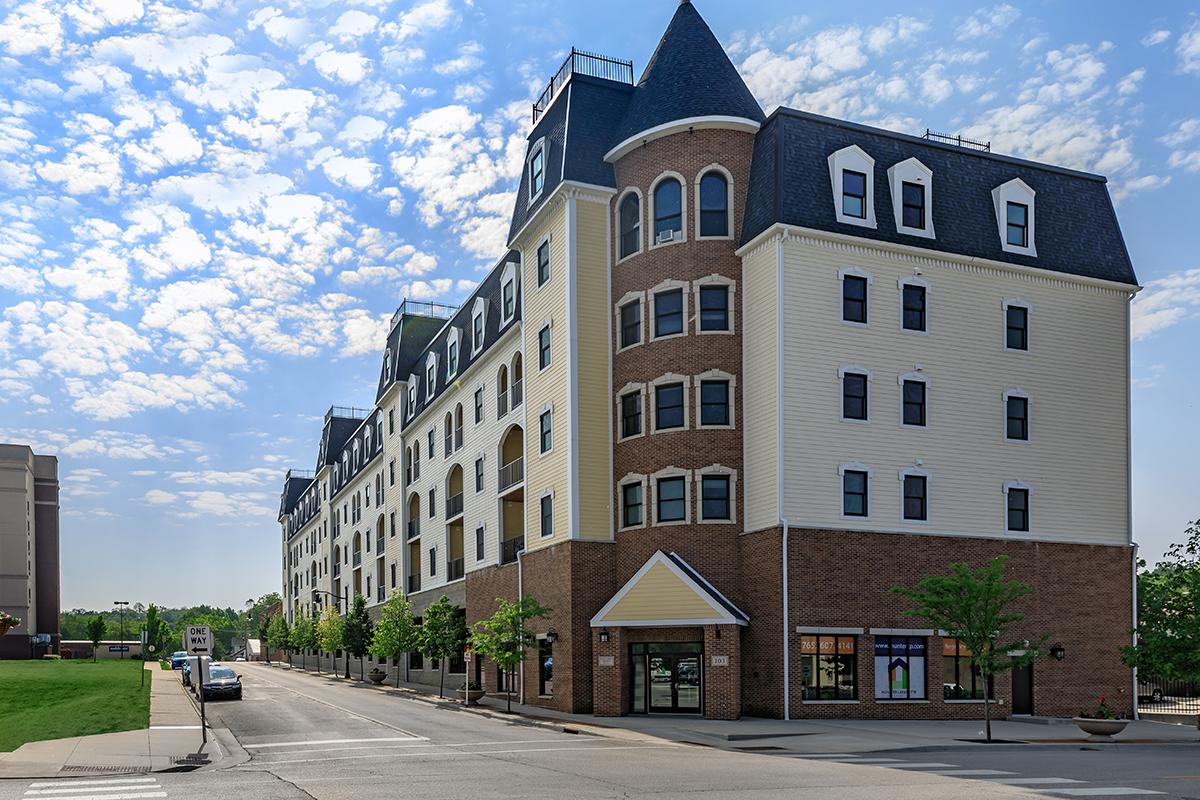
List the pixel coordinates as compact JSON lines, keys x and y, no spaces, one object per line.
{"x":667,"y":678}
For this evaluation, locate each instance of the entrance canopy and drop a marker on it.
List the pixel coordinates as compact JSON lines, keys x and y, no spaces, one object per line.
{"x":667,"y":592}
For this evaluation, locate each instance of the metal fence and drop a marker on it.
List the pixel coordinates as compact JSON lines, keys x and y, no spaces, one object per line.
{"x":1157,"y":696}
{"x":580,"y":62}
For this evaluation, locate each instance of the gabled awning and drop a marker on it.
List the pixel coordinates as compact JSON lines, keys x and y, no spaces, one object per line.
{"x":667,"y":592}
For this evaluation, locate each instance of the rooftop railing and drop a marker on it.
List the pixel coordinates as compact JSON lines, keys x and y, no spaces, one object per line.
{"x":582,"y":63}
{"x":957,"y":139}
{"x":423,"y":309}
{"x":347,"y":412}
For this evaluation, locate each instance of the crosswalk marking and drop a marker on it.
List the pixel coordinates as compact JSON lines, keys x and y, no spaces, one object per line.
{"x":97,"y":782}
{"x":1101,"y":791}
{"x":337,"y":741}
{"x":137,"y":788}
{"x":922,"y":765}
{"x":969,"y":773}
{"x":1032,"y":781}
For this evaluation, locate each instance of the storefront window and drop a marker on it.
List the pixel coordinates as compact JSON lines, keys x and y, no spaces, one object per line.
{"x":899,"y":668}
{"x":960,"y":677}
{"x":829,"y":667}
{"x":545,"y":667}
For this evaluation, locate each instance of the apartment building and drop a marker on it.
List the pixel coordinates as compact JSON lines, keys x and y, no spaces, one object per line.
{"x":29,"y":569}
{"x":736,"y":377}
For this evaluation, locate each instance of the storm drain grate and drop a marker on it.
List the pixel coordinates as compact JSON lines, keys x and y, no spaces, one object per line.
{"x":107,"y":768}
{"x":191,"y":759}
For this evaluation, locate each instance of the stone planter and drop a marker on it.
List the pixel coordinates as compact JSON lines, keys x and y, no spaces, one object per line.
{"x":376,"y":676}
{"x":1100,"y":730}
{"x":471,"y":697}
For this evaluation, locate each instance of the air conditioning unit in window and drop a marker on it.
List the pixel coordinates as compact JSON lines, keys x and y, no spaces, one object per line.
{"x":666,"y":236}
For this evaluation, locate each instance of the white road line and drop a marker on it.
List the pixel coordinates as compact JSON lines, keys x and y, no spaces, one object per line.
{"x":408,"y":745}
{"x":338,"y":741}
{"x":63,"y":789}
{"x":174,"y":727}
{"x":97,"y":782}
{"x":1101,"y":791}
{"x":969,"y":773}
{"x":460,"y":753}
{"x":126,"y":796}
{"x":1031,"y":781}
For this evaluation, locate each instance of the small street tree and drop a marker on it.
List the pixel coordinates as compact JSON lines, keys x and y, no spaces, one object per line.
{"x":443,"y":635}
{"x":329,"y":633}
{"x":504,"y":636}
{"x":356,"y":633}
{"x":396,"y":633}
{"x":1168,"y":630}
{"x":264,"y":636}
{"x":974,"y":606}
{"x":304,"y":638}
{"x":95,"y":632}
{"x":157,"y":631}
{"x":279,"y":636}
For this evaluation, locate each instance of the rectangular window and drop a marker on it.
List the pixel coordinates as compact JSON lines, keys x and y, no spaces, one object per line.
{"x":431,"y":443}
{"x":392,"y":525}
{"x":668,"y":406}
{"x":854,"y":194}
{"x":537,"y":172}
{"x":452,"y":359}
{"x":1016,"y":336}
{"x":1018,"y":224}
{"x":433,"y":561}
{"x":899,"y":668}
{"x":854,"y":299}
{"x":479,"y":475}
{"x":714,"y":402}
{"x":914,"y":403}
{"x":714,"y":308}
{"x":393,"y":576}
{"x":961,"y":679}
{"x":854,"y":396}
{"x":544,"y":347}
{"x":915,"y":505}
{"x":547,"y":515}
{"x":1018,"y":418}
{"x":1018,"y":509}
{"x":714,"y":497}
{"x":631,"y":504}
{"x":509,"y":299}
{"x":631,"y":323}
{"x":631,"y":414}
{"x":477,"y":331}
{"x":479,"y":405}
{"x":913,"y":200}
{"x":479,"y":543}
{"x":828,"y":667}
{"x":668,"y":312}
{"x":391,"y":421}
{"x":543,"y":263}
{"x":672,"y":505}
{"x":914,"y":308}
{"x":391,"y":475}
{"x":854,"y":494}
{"x":544,"y":433}
{"x":432,"y":503}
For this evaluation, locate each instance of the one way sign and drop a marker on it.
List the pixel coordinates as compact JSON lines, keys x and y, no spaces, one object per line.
{"x":197,"y":640}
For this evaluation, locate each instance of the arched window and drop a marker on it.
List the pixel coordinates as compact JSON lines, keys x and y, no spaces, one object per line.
{"x":631,"y":225}
{"x":668,"y":208}
{"x":714,"y":205}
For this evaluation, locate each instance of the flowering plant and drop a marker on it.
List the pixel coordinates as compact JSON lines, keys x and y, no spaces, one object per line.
{"x":8,"y":621}
{"x":1102,"y":711}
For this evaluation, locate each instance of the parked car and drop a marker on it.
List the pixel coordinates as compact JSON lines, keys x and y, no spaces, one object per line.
{"x":178,"y":659}
{"x":222,"y":682}
{"x":188,"y":663}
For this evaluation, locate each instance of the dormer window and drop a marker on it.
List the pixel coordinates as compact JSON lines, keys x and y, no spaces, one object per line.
{"x":387,"y":364}
{"x":668,"y":211}
{"x":852,"y":176}
{"x":912,"y":197}
{"x":451,"y":359}
{"x":1016,"y":217}
{"x":430,"y":376}
{"x":854,"y":194}
{"x":1018,"y":224}
{"x":508,"y":294}
{"x":537,"y":170}
{"x":911,"y":185}
{"x":478,"y":318}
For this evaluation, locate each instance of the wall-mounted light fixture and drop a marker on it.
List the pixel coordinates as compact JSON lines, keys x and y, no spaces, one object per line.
{"x":551,"y":636}
{"x":1058,"y":651}
{"x":604,"y":635}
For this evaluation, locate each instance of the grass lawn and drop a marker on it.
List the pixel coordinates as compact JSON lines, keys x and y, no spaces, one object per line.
{"x":55,"y":699}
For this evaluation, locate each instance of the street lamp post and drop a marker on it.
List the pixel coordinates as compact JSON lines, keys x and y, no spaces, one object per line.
{"x":122,"y":604}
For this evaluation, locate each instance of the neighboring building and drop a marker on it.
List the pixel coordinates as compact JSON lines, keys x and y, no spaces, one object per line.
{"x":109,"y":648}
{"x":739,"y":375}
{"x":29,"y":588}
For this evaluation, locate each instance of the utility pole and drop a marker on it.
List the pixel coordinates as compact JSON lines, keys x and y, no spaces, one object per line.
{"x":121,"y":604}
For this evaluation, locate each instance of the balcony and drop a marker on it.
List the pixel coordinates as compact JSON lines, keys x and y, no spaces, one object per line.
{"x":449,"y":441}
{"x":458,"y":438}
{"x":512,"y":474}
{"x":517,"y":393}
{"x":454,"y":506}
{"x":454,"y":569}
{"x":379,"y":545}
{"x":501,"y":404}
{"x":380,"y":595}
{"x":414,"y":583}
{"x":509,"y":549}
{"x":357,"y":559}
{"x":414,"y":528}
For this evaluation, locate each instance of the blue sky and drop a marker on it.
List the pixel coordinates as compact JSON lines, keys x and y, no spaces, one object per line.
{"x":209,"y":209}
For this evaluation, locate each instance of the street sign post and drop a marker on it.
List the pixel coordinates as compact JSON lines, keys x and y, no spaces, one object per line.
{"x":198,"y":642}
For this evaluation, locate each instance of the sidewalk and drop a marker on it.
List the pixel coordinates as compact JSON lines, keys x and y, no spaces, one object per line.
{"x":172,"y":740}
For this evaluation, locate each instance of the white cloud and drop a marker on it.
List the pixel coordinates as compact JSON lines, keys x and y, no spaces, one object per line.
{"x":1164,"y":303}
{"x":362,"y":130}
{"x":1188,"y":49}
{"x":1131,"y":82}
{"x":31,"y":27}
{"x":102,"y":443}
{"x":93,"y":16}
{"x":91,"y":167}
{"x":468,"y":59}
{"x":934,"y":86}
{"x":169,"y":146}
{"x":353,"y":24}
{"x":1155,"y":38}
{"x":988,"y":21}
{"x":356,"y":173}
{"x":160,"y":497}
{"x":423,"y":18}
{"x":336,"y":65}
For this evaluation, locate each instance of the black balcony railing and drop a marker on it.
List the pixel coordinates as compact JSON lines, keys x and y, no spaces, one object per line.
{"x":512,"y":473}
{"x":414,"y":528}
{"x":454,"y":569}
{"x":501,"y":404}
{"x":509,"y":549}
{"x":449,"y":444}
{"x":414,"y":583}
{"x":379,"y":545}
{"x":590,"y":64}
{"x":454,"y":505}
{"x":357,"y":559}
{"x":380,"y":595}
{"x":337,"y":569}
{"x":458,"y":438}
{"x":517,"y":393}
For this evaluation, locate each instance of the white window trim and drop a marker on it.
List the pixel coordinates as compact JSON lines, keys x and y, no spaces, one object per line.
{"x":916,"y":375}
{"x":855,"y":159}
{"x":666,"y":286}
{"x":626,"y":299}
{"x":1017,"y":302}
{"x":854,"y":272}
{"x":1028,"y":509}
{"x":912,"y":280}
{"x":673,"y":472}
{"x":509,"y":276}
{"x":1017,"y":392}
{"x":716,"y":469}
{"x":546,"y":409}
{"x":546,"y":493}
{"x":629,"y":388}
{"x":710,"y":281}
{"x":481,"y":392}
{"x":1015,"y":191}
{"x":629,"y":479}
{"x":916,"y":471}
{"x":538,"y":146}
{"x":683,"y":211}
{"x":854,"y":369}
{"x":412,"y":395}
{"x":431,"y":367}
{"x":454,"y":337}
{"x":641,"y":246}
{"x":547,"y":326}
{"x":911,"y":171}
{"x":482,"y":526}
{"x":545,"y":240}
{"x":652,"y":391}
{"x":730,"y":216}
{"x":853,"y":466}
{"x":715,"y":375}
{"x":478,"y":310}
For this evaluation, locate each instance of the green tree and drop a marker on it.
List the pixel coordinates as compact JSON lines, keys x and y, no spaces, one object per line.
{"x":279,"y":635}
{"x":356,"y":633}
{"x":95,"y":632}
{"x":1168,"y":629}
{"x":974,"y":606}
{"x":505,"y":636}
{"x":443,"y":635}
{"x":264,"y":635}
{"x":157,"y":632}
{"x":329,"y":633}
{"x":397,"y":632}
{"x":304,"y":638}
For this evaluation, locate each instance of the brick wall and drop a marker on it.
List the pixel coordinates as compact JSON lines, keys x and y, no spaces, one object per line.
{"x":722,"y":681}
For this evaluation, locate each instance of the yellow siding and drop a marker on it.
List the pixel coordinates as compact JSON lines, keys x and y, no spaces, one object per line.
{"x":592,"y":320}
{"x":760,"y":393}
{"x":660,"y":594}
